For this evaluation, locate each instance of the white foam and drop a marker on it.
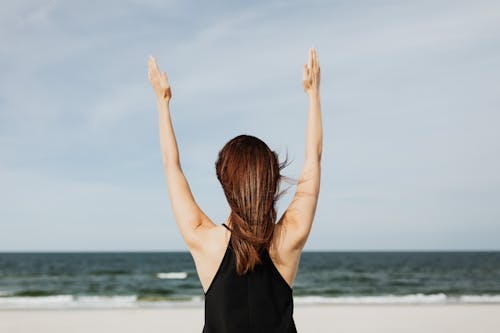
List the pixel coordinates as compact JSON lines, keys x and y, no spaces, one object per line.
{"x":382,"y":299}
{"x":131,"y":301}
{"x":67,"y":301}
{"x":480,"y":299}
{"x":35,"y":302}
{"x":89,"y":302}
{"x":196,"y":301}
{"x":418,"y":298}
{"x":172,"y":275}
{"x":106,"y":301}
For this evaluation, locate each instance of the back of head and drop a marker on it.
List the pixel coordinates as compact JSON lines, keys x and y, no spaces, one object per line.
{"x":249,"y":173}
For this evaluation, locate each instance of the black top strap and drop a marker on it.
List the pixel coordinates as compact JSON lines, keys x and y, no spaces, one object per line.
{"x":226,"y":226}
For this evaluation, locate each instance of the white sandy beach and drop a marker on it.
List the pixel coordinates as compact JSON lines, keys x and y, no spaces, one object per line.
{"x":454,"y":318}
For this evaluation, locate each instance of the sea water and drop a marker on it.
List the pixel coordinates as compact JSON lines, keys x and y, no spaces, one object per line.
{"x":169,"y":279}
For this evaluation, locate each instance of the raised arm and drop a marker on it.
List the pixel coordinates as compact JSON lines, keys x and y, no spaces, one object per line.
{"x":299,"y":216}
{"x":188,"y":215}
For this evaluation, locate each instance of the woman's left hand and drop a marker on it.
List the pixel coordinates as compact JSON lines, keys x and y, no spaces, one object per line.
{"x":159,"y":81}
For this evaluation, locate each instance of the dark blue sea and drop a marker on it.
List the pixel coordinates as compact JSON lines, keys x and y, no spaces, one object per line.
{"x":169,"y":279}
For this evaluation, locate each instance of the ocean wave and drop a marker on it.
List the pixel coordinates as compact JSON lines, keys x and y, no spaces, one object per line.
{"x":134,"y":301}
{"x":33,"y":292}
{"x":480,"y":299}
{"x":172,"y":275}
{"x":378,"y":299}
{"x":66,"y":301}
{"x":419,"y":298}
{"x":95,"y":302}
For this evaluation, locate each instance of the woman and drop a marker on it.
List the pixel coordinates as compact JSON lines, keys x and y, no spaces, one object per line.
{"x":247,"y":265}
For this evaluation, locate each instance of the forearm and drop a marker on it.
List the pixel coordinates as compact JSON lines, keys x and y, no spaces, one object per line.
{"x":314,"y":131}
{"x":168,"y":143}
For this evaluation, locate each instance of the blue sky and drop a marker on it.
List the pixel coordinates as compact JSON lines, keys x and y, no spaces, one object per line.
{"x":410,"y":105}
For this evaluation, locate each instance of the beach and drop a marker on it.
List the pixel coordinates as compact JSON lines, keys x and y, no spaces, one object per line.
{"x":343,"y":292}
{"x":364,"y":318}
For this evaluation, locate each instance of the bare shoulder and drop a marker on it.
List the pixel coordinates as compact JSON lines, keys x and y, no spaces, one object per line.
{"x":286,"y":249}
{"x":206,"y":237}
{"x":209,"y":245}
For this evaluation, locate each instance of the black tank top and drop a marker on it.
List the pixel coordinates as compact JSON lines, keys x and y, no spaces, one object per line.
{"x":259,"y":301}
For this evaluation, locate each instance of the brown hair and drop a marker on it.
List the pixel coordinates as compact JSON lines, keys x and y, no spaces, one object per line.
{"x":249,"y":173}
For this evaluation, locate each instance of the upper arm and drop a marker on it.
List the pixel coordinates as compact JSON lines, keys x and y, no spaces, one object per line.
{"x":299,"y":215}
{"x":189,"y":217}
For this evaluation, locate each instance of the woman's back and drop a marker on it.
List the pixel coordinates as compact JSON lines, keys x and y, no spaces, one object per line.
{"x":249,"y":173}
{"x":258,"y":301}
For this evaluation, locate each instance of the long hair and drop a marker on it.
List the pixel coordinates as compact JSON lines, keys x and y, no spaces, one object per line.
{"x":249,"y":173}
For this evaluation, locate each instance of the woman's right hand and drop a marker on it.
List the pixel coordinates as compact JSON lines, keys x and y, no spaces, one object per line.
{"x":159,"y":81}
{"x":311,"y":73}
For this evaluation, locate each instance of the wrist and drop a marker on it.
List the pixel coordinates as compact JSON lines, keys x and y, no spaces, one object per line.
{"x":162,"y":104}
{"x":314,"y":95}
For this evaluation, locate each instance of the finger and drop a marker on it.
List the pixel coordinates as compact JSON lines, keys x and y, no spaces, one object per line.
{"x":305,"y":77}
{"x":309,"y":62}
{"x":165,"y":79}
{"x":156,"y":66}
{"x":153,"y":64}
{"x":315,"y":59}
{"x":150,"y":72}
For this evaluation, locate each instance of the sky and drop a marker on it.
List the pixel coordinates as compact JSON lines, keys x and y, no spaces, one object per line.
{"x":410,"y":102}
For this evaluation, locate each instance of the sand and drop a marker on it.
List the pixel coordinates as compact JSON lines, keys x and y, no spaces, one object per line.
{"x":454,"y":318}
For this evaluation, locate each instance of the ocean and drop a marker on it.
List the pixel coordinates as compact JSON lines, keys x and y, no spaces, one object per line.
{"x":169,"y":279}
